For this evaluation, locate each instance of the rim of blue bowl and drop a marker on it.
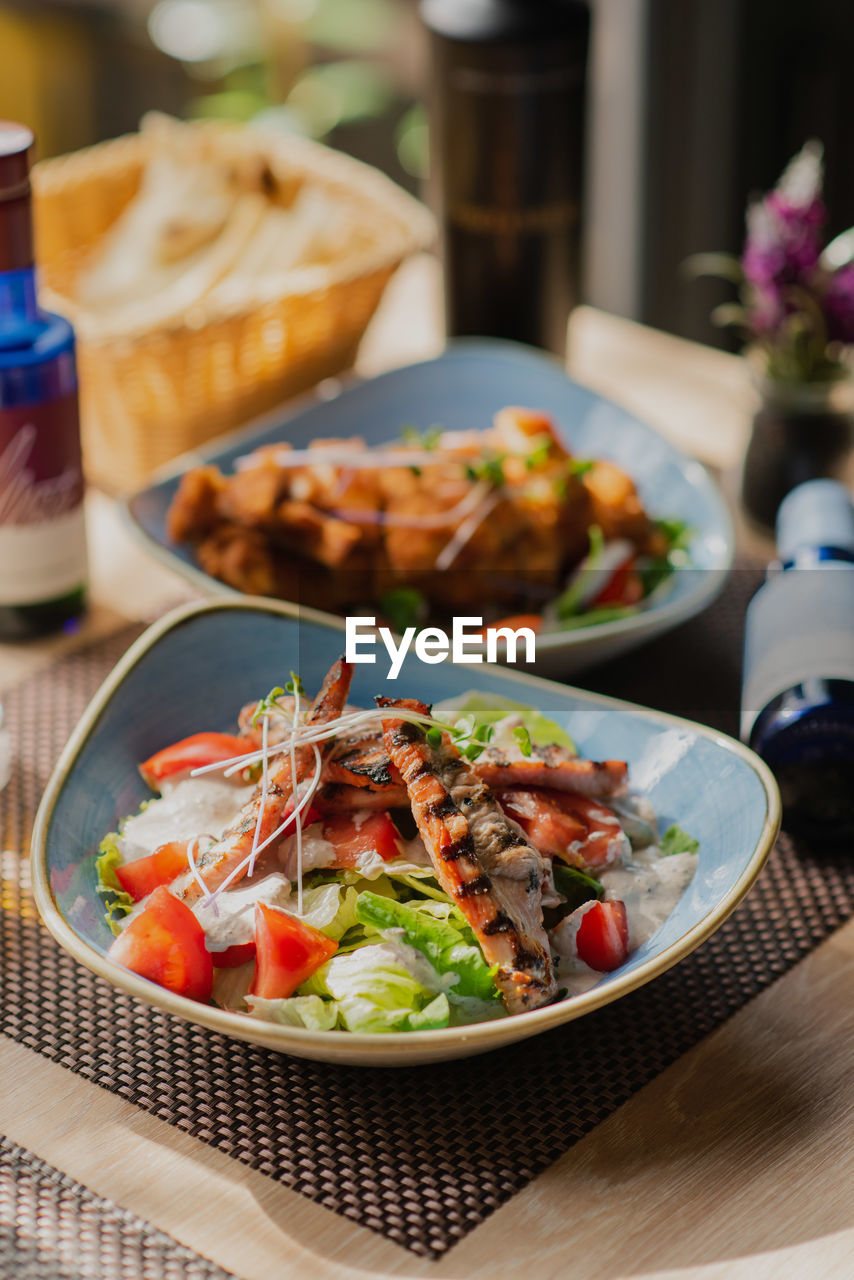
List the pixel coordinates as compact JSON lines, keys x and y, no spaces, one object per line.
{"x":301,"y":1041}
{"x":663,"y":616}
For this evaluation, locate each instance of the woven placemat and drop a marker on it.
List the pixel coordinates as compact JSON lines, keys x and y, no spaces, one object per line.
{"x":425,"y":1155}
{"x":51,"y":1226}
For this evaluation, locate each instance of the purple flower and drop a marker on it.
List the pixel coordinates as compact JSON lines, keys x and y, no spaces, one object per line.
{"x":783,"y":242}
{"x":839,"y":304}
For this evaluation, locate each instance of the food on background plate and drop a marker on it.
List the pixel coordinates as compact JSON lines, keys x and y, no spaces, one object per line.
{"x":399,"y":868}
{"x":432,"y":524}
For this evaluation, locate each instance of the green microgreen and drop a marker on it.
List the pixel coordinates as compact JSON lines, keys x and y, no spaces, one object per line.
{"x":539,"y":454}
{"x":522,"y":738}
{"x":489,"y":469}
{"x":427,"y":440}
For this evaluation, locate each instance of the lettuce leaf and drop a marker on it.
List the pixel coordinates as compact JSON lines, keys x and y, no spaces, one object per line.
{"x":296,"y":1011}
{"x":118,"y":902}
{"x":382,"y":987}
{"x":675,"y":840}
{"x":441,"y":941}
{"x":331,"y":908}
{"x":488,"y":708}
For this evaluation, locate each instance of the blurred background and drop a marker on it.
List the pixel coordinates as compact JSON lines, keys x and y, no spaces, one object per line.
{"x":693,"y":104}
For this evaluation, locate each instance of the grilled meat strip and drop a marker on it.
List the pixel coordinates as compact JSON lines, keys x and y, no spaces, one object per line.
{"x":217,"y":862}
{"x":482,"y":859}
{"x":364,"y":762}
{"x":361,"y":761}
{"x":337,"y":797}
{"x":553,"y":767}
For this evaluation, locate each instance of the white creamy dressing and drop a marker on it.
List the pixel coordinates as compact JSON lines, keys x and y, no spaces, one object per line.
{"x":235,"y":922}
{"x":316,"y":852}
{"x":650,"y":885}
{"x":191,"y":807}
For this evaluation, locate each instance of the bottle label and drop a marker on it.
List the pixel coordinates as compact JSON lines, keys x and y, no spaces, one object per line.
{"x":800,"y":628}
{"x":42,"y":536}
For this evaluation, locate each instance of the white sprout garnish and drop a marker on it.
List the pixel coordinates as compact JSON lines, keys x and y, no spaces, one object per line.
{"x":296,"y":690}
{"x":319,"y":733}
{"x":237,"y":871}
{"x":192,"y":850}
{"x":466,"y":531}
{"x":265,"y":725}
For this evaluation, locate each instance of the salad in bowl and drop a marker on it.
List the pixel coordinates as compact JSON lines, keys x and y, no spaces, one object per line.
{"x":397,"y":868}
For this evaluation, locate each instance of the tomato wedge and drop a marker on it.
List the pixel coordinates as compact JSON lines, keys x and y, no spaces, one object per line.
{"x":532,"y":620}
{"x":287,"y":952}
{"x":350,"y":838}
{"x":191,"y":753}
{"x":142,"y":876}
{"x":625,"y":586}
{"x":166,"y":944}
{"x":307,"y":816}
{"x":602,"y":940}
{"x":234,"y":956}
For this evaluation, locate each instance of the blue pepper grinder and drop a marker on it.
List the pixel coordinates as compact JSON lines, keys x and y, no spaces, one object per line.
{"x":797,"y":706}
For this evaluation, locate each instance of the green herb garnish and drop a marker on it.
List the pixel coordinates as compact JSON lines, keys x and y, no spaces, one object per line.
{"x":404,"y":607}
{"x":576,"y":887}
{"x":675,"y":840}
{"x":539,"y":454}
{"x":523,"y":739}
{"x":427,"y":440}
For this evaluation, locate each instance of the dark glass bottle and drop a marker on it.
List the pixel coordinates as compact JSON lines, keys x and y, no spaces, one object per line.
{"x":507,"y":129}
{"x":798,"y":697}
{"x":42,"y":535}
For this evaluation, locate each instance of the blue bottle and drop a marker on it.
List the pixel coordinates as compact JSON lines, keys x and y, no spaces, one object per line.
{"x":798,"y":686}
{"x":42,"y":534}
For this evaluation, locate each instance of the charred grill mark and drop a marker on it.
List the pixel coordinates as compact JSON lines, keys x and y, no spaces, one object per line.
{"x":471,"y":888}
{"x":463,"y":848}
{"x":420,"y":770}
{"x":441,"y":808}
{"x":500,"y":923}
{"x":376,"y":769}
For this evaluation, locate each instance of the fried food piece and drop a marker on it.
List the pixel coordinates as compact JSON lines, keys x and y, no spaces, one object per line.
{"x":194,"y":510}
{"x":616,"y":505}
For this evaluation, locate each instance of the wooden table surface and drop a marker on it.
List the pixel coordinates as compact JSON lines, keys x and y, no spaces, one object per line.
{"x":737,"y":1161}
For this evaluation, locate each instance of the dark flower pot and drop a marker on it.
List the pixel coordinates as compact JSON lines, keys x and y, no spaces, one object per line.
{"x":800,"y":432}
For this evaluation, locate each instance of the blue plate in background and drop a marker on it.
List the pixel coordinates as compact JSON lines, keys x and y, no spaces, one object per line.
{"x":462,"y":389}
{"x":194,"y":670}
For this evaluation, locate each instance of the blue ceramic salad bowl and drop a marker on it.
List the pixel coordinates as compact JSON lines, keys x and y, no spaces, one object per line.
{"x":195,"y":668}
{"x":462,"y":389}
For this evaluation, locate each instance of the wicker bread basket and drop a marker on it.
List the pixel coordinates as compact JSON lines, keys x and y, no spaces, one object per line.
{"x":149,"y":392}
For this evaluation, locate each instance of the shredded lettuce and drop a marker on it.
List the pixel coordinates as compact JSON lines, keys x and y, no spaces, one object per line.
{"x":439,"y":940}
{"x":434,"y":1015}
{"x":386,"y":986}
{"x":331,"y":908}
{"x":602,"y":613}
{"x":118,"y":902}
{"x":296,"y":1011}
{"x":675,"y":840}
{"x":468,"y":1009}
{"x":489,"y":708}
{"x":571,"y":601}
